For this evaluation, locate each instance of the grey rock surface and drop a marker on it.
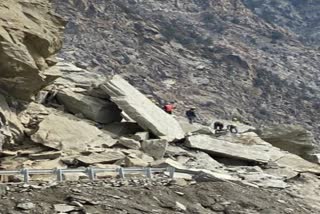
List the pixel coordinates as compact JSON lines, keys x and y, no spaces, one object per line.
{"x":142,"y":110}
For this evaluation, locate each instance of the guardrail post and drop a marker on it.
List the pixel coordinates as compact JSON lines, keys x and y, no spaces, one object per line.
{"x":91,"y":173}
{"x":25,"y":173}
{"x":121,"y":173}
{"x":59,"y":175}
{"x":149,"y":172}
{"x":171,"y":171}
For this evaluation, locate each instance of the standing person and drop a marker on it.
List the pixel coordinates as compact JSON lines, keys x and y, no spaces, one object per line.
{"x":169,"y":107}
{"x":191,"y":115}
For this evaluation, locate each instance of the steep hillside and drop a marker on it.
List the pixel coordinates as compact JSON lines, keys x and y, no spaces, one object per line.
{"x":216,"y":55}
{"x":302,"y":17}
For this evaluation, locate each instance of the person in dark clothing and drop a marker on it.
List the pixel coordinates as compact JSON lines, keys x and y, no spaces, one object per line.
{"x":218,"y":126}
{"x":232,"y":129}
{"x":191,"y":115}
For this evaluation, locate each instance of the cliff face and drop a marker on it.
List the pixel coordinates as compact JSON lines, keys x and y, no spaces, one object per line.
{"x":29,"y":36}
{"x":216,"y":55}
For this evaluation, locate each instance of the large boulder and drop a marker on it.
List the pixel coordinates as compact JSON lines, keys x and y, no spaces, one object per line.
{"x":222,"y":148}
{"x":66,"y":133}
{"x":142,"y":110}
{"x":292,"y":138}
{"x":155,"y":148}
{"x":98,"y":110}
{"x":29,"y":35}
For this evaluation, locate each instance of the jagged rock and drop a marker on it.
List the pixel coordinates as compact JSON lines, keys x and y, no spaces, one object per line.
{"x":96,"y":109}
{"x":168,"y":163}
{"x":155,"y":148}
{"x":292,"y":138}
{"x":223,"y":148}
{"x":10,"y":126}
{"x":139,"y":154}
{"x":142,"y":110}
{"x":78,"y":78}
{"x":129,"y":143}
{"x":28,"y":35}
{"x":104,"y":158}
{"x":63,"y":132}
{"x":45,"y":155}
{"x":133,"y":160}
{"x":141,"y":136}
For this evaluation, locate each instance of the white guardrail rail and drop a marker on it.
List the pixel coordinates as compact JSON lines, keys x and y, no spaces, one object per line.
{"x":90,"y":171}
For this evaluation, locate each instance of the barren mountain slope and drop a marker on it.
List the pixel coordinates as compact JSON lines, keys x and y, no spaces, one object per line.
{"x":302,"y":17}
{"x":216,"y":55}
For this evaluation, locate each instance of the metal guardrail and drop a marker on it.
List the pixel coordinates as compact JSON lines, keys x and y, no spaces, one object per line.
{"x":90,"y":171}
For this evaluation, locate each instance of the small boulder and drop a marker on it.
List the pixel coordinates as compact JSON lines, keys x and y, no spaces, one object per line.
{"x":26,"y":206}
{"x":155,"y":148}
{"x":133,"y":160}
{"x":129,"y":143}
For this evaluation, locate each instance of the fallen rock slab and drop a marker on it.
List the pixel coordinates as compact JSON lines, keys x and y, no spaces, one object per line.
{"x":223,"y":148}
{"x":66,"y":133}
{"x":98,"y":110}
{"x":142,"y":110}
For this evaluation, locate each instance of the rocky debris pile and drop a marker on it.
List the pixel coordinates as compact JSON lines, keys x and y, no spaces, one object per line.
{"x":55,"y":136}
{"x":84,"y":119}
{"x":148,"y":197}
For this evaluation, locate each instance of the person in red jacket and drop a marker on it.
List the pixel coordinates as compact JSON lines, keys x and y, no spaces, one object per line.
{"x":169,"y":107}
